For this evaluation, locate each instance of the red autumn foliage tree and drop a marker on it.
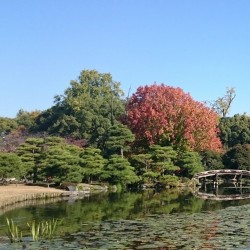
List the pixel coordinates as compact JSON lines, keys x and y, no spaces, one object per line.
{"x":160,"y":114}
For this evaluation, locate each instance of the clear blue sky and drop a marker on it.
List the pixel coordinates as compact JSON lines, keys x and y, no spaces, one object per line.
{"x":201,"y":46}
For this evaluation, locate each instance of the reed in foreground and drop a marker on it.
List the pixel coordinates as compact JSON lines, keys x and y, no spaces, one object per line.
{"x":43,"y":230}
{"x":13,"y":233}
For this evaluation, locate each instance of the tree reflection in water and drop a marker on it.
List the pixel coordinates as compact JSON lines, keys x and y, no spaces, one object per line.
{"x":163,"y":217}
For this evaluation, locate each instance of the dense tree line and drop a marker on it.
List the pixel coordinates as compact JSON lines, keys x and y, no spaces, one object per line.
{"x":92,"y":133}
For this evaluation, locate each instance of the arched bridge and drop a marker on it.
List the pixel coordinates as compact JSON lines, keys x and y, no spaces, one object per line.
{"x":234,"y":176}
{"x":214,"y":174}
{"x":221,"y":172}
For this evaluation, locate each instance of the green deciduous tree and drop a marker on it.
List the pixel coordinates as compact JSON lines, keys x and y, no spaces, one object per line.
{"x":212,"y":160}
{"x":237,"y":157}
{"x":95,"y":100}
{"x":7,"y":125}
{"x":235,"y":130}
{"x":27,"y":119}
{"x":88,"y":108}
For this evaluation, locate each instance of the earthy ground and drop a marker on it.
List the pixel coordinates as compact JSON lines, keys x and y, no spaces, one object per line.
{"x":11,"y":191}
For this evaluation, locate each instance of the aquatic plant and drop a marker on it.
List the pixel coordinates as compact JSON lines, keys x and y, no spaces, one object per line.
{"x":14,"y":234}
{"x":43,"y":230}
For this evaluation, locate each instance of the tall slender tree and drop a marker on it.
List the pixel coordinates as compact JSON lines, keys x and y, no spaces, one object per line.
{"x":223,"y":104}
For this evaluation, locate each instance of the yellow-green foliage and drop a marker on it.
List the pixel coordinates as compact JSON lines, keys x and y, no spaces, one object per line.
{"x":43,"y":230}
{"x":14,"y":234}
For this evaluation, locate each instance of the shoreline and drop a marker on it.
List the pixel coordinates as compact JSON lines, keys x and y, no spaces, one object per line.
{"x":15,"y":193}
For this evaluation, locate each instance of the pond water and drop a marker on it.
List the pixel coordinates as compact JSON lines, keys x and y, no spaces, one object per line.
{"x":171,"y":219}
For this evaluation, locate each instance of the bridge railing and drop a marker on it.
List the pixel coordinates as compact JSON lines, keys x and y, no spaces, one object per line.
{"x":221,"y":172}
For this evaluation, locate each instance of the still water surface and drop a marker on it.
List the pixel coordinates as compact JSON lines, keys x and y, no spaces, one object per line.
{"x":170,"y":219}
